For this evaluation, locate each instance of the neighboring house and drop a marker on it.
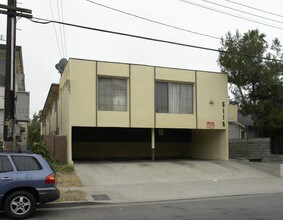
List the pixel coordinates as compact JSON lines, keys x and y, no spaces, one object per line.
{"x":247,"y":121}
{"x":240,"y":126}
{"x":117,"y":110}
{"x":19,"y":87}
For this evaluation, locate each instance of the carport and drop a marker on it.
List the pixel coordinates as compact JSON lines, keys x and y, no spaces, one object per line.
{"x":94,"y":143}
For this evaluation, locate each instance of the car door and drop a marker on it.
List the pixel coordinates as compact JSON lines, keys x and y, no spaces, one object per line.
{"x":8,"y":174}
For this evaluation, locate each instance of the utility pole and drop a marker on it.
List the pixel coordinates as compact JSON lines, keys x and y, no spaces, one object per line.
{"x":12,"y":12}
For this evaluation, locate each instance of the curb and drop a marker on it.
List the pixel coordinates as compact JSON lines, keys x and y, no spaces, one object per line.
{"x":83,"y":203}
{"x":71,"y":204}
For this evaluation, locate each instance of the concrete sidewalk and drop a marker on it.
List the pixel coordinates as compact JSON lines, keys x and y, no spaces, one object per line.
{"x":144,"y":181}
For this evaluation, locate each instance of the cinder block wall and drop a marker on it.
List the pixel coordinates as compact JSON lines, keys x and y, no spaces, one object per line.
{"x":252,"y":149}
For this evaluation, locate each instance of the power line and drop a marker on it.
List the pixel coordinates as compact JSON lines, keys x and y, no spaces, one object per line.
{"x":226,"y":13}
{"x":64,"y":35}
{"x":153,"y":21}
{"x":60,"y":28}
{"x":257,"y":9}
{"x":234,"y":9}
{"x":47,"y":21}
{"x":58,"y":45}
{"x":277,"y":2}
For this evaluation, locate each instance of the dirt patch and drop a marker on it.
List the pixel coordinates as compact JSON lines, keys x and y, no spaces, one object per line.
{"x":69,"y":179}
{"x":71,"y":195}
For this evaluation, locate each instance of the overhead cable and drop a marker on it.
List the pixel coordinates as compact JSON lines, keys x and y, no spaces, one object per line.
{"x":60,"y":28}
{"x":58,"y":45}
{"x":229,"y":14}
{"x":63,"y":28}
{"x":151,"y":20}
{"x":47,"y":21}
{"x":257,"y":9}
{"x":248,"y":13}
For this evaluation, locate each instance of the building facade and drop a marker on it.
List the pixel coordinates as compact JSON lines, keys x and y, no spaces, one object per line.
{"x":19,"y":87}
{"x":117,"y":110}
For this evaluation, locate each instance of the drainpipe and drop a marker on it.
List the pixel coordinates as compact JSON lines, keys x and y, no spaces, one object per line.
{"x":153,"y":144}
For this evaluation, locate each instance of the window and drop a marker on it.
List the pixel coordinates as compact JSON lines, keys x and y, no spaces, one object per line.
{"x":242,"y":134}
{"x":112,"y":94}
{"x":174,"y":98}
{"x":5,"y":165}
{"x":25,"y":163}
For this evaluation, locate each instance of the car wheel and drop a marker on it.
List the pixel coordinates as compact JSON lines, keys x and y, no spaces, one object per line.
{"x":20,"y":204}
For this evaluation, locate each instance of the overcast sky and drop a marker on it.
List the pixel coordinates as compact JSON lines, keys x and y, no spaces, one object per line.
{"x":42,"y":50}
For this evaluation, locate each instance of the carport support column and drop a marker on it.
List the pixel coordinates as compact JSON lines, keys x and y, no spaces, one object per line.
{"x":153,"y":144}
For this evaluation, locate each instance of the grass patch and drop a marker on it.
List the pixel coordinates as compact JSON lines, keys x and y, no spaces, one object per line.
{"x":62,"y":168}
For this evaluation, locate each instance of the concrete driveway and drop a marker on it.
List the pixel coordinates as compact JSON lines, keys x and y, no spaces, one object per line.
{"x":140,"y":181}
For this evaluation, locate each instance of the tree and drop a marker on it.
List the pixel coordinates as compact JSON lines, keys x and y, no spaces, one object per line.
{"x":254,"y":70}
{"x":35,"y":142}
{"x":34,"y":129}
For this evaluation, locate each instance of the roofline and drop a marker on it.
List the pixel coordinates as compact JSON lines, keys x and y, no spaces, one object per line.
{"x":53,"y":85}
{"x":140,"y":64}
{"x":238,"y":123}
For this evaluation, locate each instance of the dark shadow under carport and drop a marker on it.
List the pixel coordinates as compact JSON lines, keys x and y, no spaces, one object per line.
{"x":92,"y":143}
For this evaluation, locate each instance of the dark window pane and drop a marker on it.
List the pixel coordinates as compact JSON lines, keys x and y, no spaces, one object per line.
{"x":5,"y":165}
{"x":161,"y":97}
{"x":105,"y":94}
{"x":119,"y":94}
{"x":24,"y":163}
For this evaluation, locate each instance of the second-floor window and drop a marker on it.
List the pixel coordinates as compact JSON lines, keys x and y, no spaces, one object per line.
{"x":174,"y":98}
{"x":112,"y":94}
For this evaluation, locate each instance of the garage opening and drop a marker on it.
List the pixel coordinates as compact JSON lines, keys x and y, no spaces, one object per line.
{"x":110,"y":143}
{"x":92,"y":143}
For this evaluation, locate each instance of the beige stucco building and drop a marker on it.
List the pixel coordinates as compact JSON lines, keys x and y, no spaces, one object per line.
{"x":117,"y":110}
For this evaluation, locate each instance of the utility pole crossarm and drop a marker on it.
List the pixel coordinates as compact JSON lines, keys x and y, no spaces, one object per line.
{"x":21,"y":12}
{"x":13,"y":8}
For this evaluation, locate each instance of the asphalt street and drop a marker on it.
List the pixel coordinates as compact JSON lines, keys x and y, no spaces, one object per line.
{"x":257,"y":207}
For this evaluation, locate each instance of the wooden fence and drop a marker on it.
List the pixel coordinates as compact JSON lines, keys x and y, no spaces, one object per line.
{"x":57,"y":147}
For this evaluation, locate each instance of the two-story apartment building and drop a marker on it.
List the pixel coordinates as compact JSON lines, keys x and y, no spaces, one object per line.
{"x":118,"y":110}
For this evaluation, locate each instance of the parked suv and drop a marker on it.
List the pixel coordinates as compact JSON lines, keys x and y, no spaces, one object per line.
{"x":26,"y":179}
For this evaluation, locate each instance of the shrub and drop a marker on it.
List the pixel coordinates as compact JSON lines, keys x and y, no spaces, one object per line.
{"x":40,"y":148}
